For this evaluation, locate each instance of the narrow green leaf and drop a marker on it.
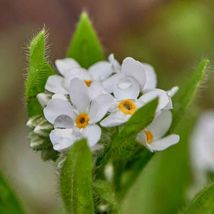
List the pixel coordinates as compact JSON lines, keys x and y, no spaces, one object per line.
{"x":188,"y":92}
{"x":76,"y":179}
{"x":8,"y":200}
{"x":203,"y":202}
{"x":104,"y":196}
{"x":38,"y":72}
{"x":85,"y":46}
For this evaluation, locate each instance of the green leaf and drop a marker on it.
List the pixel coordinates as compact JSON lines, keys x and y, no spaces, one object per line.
{"x":85,"y":46}
{"x":188,"y":92}
{"x":104,"y":195}
{"x":76,"y":179}
{"x":203,"y":202}
{"x":8,"y":200}
{"x":38,"y":72}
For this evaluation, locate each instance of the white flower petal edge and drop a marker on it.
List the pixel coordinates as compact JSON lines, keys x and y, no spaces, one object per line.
{"x":62,"y":139}
{"x":114,"y":119}
{"x":151,"y":77}
{"x":126,"y":88}
{"x":163,"y":143}
{"x":161,"y":124}
{"x":135,"y":69}
{"x":66,"y":65}
{"x":115,"y":64}
{"x":152,"y":136}
{"x":100,"y":70}
{"x":93,"y":134}
{"x":56,"y":84}
{"x":43,"y":99}
{"x":173,"y":91}
{"x":79,"y":95}
{"x":100,"y":106}
{"x":165,"y":101}
{"x":57,"y":107}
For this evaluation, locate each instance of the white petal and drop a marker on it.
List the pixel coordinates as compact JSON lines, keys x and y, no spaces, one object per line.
{"x":126,"y":88}
{"x":161,"y":124}
{"x":43,"y":98}
{"x":134,"y":68}
{"x":62,"y":139}
{"x":66,"y":65}
{"x":56,"y":84}
{"x":57,"y":107}
{"x":109,"y":83}
{"x":173,"y":91}
{"x":79,"y":73}
{"x":96,"y":89}
{"x":100,"y":106}
{"x":115,"y":64}
{"x":165,"y":142}
{"x":59,"y":96}
{"x":151,"y":78}
{"x":164,"y":99}
{"x":63,"y":121}
{"x":114,"y":119}
{"x":79,"y":95}
{"x":101,"y":70}
{"x":93,"y":134}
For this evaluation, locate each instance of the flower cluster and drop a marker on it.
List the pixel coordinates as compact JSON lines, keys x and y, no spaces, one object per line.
{"x":79,"y":102}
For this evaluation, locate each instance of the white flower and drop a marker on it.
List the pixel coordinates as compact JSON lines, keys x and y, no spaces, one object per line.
{"x":202,"y":143}
{"x":69,"y":69}
{"x":130,"y":78}
{"x":76,"y":120}
{"x":124,"y":106}
{"x":153,"y":138}
{"x":143,"y":73}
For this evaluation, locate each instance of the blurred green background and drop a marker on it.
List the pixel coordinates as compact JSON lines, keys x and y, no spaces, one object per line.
{"x":171,"y":35}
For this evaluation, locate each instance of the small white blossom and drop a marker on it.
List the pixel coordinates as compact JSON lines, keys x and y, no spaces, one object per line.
{"x":153,"y":138}
{"x":76,"y":120}
{"x":130,"y":78}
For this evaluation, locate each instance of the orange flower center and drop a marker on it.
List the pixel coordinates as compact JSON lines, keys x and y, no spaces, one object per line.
{"x":82,"y":120}
{"x":88,"y":82}
{"x":127,"y":106}
{"x":149,"y":136}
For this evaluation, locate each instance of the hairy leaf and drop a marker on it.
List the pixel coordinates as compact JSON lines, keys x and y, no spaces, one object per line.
{"x":76,"y":179}
{"x":188,"y":92}
{"x":203,"y":202}
{"x":8,"y":200}
{"x":85,"y":46}
{"x":105,"y":197}
{"x":38,"y":72}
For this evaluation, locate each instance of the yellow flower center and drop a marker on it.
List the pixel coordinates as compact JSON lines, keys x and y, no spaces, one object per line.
{"x":88,"y":82}
{"x":127,"y":106}
{"x":82,"y":120}
{"x":149,"y":136}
